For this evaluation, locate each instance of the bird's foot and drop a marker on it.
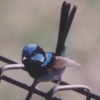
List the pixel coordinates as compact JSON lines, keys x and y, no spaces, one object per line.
{"x":50,"y":94}
{"x":34,"y":85}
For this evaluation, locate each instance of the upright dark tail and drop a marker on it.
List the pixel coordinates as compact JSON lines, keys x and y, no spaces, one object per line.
{"x":65,"y":23}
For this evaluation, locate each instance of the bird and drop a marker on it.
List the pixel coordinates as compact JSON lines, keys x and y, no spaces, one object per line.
{"x":48,"y":66}
{"x":44,"y":66}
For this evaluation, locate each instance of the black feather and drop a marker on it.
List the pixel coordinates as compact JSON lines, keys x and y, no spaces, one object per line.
{"x":65,"y":23}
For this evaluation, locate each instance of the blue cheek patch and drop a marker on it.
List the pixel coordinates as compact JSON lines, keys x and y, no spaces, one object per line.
{"x":48,"y":59}
{"x":38,"y":57}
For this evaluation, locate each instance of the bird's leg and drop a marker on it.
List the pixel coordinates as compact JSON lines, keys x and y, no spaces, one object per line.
{"x":32,"y":88}
{"x":59,"y":80}
{"x":51,"y":92}
{"x":34,"y":85}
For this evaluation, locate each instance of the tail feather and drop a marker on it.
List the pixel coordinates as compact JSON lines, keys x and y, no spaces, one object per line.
{"x":64,"y":18}
{"x":65,"y":23}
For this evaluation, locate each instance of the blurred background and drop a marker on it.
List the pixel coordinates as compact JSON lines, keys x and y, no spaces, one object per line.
{"x":37,"y":21}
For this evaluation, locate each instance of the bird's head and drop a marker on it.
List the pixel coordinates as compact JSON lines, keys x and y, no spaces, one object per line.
{"x":32,"y":53}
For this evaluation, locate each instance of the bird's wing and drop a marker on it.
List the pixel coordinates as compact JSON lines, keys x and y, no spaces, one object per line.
{"x":62,"y":62}
{"x":65,"y":23}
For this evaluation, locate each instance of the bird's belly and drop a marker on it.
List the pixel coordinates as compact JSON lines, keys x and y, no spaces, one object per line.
{"x":54,"y":75}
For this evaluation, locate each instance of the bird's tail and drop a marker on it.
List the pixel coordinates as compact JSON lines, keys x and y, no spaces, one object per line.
{"x":65,"y":23}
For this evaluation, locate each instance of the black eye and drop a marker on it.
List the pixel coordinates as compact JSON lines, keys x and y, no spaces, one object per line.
{"x":34,"y":53}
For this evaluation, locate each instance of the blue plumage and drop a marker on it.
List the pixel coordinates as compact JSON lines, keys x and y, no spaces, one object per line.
{"x":36,"y":54}
{"x":49,"y":56}
{"x":44,"y":65}
{"x":38,"y":57}
{"x":28,"y":50}
{"x":36,"y":60}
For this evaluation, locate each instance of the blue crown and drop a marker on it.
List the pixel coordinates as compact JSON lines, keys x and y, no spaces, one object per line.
{"x":29,"y":49}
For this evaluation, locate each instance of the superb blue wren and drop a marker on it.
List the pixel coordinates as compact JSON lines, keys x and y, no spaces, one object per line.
{"x":44,"y":66}
{"x":48,"y":66}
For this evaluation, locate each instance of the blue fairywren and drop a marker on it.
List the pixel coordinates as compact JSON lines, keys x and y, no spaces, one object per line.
{"x":44,"y":66}
{"x":48,"y":66}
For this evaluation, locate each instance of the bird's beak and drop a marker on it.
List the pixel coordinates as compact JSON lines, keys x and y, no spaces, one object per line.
{"x":24,"y":58}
